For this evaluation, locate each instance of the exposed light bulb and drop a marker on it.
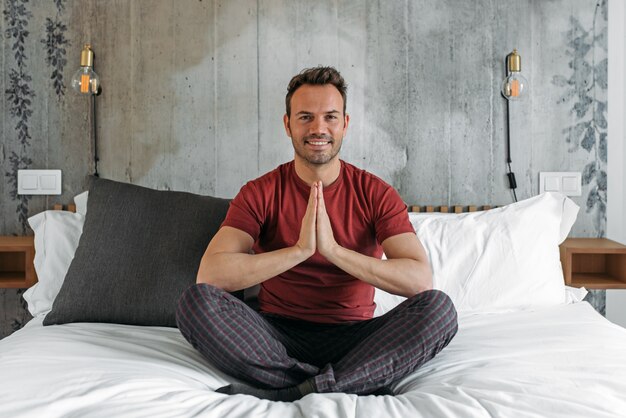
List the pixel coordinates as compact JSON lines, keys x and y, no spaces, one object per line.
{"x":85,"y":80}
{"x":515,"y":85}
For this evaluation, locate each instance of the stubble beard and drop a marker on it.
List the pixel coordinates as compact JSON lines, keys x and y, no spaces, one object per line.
{"x":317,"y":158}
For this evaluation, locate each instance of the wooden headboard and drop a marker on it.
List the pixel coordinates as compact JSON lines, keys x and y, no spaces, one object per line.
{"x":412,"y":208}
{"x":449,"y":209}
{"x":69,"y":208}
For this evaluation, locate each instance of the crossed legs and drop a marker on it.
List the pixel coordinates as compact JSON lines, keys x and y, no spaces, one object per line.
{"x":272,"y":353}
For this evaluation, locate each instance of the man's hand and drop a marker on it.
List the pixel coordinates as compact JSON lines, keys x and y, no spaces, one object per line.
{"x":316,"y":232}
{"x":307,"y":240}
{"x":326,"y":243}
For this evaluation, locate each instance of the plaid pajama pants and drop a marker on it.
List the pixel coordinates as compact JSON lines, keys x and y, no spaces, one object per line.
{"x":270,"y":351}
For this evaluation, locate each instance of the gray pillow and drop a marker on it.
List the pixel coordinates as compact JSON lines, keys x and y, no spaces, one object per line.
{"x":139,"y":250}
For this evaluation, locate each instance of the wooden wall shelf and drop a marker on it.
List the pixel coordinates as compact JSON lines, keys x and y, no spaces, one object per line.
{"x":16,"y":262}
{"x":595,"y":263}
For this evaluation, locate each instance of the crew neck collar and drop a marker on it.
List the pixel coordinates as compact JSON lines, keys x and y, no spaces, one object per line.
{"x":303,"y":184}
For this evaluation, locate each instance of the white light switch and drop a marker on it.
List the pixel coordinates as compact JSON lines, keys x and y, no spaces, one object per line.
{"x":571,"y":184}
{"x":568,"y":183}
{"x":553,"y":184}
{"x":48,"y":182}
{"x":31,"y":182}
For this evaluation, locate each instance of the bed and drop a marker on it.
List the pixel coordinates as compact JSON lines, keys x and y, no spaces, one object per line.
{"x":527,"y":346}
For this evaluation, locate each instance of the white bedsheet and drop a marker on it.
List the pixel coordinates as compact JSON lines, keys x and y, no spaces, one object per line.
{"x":564,"y":361}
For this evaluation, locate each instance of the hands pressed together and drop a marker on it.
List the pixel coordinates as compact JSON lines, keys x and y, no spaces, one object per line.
{"x":316,"y":232}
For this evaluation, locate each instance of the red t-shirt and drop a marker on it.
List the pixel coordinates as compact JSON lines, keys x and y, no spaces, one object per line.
{"x":363,"y":212}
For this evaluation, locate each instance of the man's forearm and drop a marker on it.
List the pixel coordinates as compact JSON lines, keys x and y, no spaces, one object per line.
{"x":236,"y":271}
{"x":400,"y":276}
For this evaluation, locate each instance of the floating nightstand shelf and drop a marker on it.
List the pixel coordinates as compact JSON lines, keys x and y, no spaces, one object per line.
{"x":595,"y":263}
{"x":16,"y":262}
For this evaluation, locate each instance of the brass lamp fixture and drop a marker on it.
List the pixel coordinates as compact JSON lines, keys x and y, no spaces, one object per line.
{"x":85,"y":80}
{"x":515,"y":85}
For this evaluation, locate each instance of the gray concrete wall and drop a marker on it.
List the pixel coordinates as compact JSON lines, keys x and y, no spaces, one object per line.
{"x":193,"y":94}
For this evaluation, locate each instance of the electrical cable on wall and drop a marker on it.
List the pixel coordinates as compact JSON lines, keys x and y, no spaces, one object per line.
{"x":509,"y":174}
{"x":95,"y":134}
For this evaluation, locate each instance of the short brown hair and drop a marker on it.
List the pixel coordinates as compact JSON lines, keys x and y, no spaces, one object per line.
{"x":316,"y":76}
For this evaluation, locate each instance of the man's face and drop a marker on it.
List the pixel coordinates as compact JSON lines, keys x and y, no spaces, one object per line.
{"x":317,"y":124}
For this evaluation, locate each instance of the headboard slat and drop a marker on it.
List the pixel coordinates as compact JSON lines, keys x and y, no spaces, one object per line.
{"x":449,"y":209}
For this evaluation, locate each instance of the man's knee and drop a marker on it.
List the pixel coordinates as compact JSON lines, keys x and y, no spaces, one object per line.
{"x":438,"y":306}
{"x":197,"y":298}
{"x":448,"y":315}
{"x":432,"y":297}
{"x":439,"y":299}
{"x":199,"y":294}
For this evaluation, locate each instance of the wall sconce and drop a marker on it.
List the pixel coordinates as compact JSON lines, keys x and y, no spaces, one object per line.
{"x":514,"y":88}
{"x":87,"y":82}
{"x":515,"y":85}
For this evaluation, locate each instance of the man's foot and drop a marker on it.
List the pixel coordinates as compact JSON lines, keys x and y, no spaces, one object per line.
{"x":289,"y":394}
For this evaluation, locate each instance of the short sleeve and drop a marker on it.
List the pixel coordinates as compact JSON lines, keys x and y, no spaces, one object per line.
{"x":392,"y":217}
{"x":246,"y":211}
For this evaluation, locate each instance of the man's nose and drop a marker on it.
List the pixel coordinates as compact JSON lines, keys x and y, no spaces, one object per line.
{"x":318,"y":126}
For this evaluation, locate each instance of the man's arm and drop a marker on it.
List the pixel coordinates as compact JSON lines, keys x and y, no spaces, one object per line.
{"x":406,"y":271}
{"x":228,"y":264}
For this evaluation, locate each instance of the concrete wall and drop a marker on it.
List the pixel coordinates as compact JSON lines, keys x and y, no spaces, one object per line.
{"x":616,"y":220}
{"x":193,"y":94}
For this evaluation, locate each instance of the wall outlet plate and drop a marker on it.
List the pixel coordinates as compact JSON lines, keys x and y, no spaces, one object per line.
{"x":31,"y":182}
{"x":567,"y":182}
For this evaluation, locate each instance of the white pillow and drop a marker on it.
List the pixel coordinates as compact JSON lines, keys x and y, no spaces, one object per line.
{"x":386,"y":301}
{"x":570,"y":211}
{"x":504,"y":258}
{"x":81,"y":203}
{"x":56,"y":238}
{"x":575,"y":294}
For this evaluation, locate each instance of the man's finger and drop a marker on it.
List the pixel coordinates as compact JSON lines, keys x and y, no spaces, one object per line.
{"x":322,"y":216}
{"x":311,"y":209}
{"x":320,"y":195}
{"x":313,"y":196}
{"x":307,"y":239}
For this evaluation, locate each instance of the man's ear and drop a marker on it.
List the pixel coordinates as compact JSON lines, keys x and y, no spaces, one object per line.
{"x":286,"y":123}
{"x":346,"y":122}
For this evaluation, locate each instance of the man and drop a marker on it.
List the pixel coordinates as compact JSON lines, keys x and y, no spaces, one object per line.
{"x":312,"y":233}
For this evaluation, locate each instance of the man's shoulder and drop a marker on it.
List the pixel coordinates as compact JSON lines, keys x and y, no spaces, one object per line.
{"x":271,"y":177}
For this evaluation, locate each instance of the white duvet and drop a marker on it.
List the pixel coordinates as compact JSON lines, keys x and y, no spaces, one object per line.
{"x":563,"y":361}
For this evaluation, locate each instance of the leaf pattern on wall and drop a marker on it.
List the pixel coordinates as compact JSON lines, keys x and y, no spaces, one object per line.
{"x":55,"y":42}
{"x":587,"y":82}
{"x":19,"y":95}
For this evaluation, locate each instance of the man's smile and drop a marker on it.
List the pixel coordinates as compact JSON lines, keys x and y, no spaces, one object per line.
{"x":317,"y":143}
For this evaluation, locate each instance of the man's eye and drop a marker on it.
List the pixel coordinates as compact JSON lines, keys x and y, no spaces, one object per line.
{"x":305,"y":117}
